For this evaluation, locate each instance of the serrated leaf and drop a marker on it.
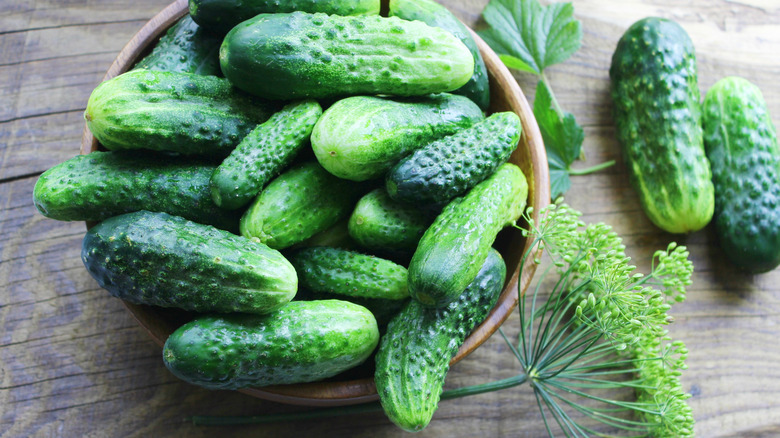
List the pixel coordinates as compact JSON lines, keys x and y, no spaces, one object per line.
{"x":536,"y":36}
{"x":560,"y":182}
{"x":562,"y":137}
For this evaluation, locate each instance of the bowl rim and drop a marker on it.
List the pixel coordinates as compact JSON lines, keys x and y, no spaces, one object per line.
{"x":331,"y":393}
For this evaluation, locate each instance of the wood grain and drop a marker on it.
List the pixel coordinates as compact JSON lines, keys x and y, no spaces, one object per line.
{"x":74,"y":363}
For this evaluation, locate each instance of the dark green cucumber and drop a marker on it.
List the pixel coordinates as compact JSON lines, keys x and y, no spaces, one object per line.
{"x":185,"y":48}
{"x":301,"y":55}
{"x":263,"y":153}
{"x":222,"y":15}
{"x":182,"y":113}
{"x":658,"y":118}
{"x":168,"y":261}
{"x":414,"y":354}
{"x":103,"y":184}
{"x":298,"y":204}
{"x":361,"y":137}
{"x":434,"y":14}
{"x":303,"y":341}
{"x":383,"y":225}
{"x":453,"y":249}
{"x":349,"y":273}
{"x":450,"y":166}
{"x":741,"y":144}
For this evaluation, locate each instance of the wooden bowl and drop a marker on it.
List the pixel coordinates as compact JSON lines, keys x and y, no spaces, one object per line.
{"x":350,"y":389}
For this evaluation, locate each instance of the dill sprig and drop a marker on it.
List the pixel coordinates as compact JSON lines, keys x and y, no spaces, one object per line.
{"x":594,"y":347}
{"x":602,"y":331}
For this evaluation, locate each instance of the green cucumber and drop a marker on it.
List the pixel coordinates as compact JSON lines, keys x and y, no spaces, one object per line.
{"x":263,"y":153}
{"x":349,"y":273}
{"x":453,"y":249}
{"x":303,"y":341}
{"x":336,"y":236}
{"x":167,"y":261}
{"x":448,"y":167}
{"x":298,"y":204}
{"x":182,"y":113}
{"x":185,"y":48}
{"x":658,"y":119}
{"x":383,"y":225}
{"x":361,"y":137}
{"x":382,"y":309}
{"x":434,"y":14}
{"x":222,"y":15}
{"x":99,"y":185}
{"x":741,"y":144}
{"x":301,"y":55}
{"x":414,"y":354}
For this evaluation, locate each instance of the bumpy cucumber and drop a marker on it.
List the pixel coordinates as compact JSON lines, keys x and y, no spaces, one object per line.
{"x":175,"y":112}
{"x":222,"y":15}
{"x":382,"y":309}
{"x":448,"y":167}
{"x":103,"y":184}
{"x":298,"y":204}
{"x":163,"y":260}
{"x":349,"y":273}
{"x":434,"y":14}
{"x":361,"y":137}
{"x":741,"y":144}
{"x":263,"y":153}
{"x":414,"y":354}
{"x":185,"y":48}
{"x":383,"y":225}
{"x":303,"y":341}
{"x":300,"y":55}
{"x":658,"y":118}
{"x":453,"y":249}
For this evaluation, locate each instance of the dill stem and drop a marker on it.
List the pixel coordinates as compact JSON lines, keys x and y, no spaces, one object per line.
{"x":209,"y":420}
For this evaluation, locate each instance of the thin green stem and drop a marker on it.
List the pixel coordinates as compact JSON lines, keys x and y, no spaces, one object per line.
{"x":556,"y":105}
{"x":592,"y":169}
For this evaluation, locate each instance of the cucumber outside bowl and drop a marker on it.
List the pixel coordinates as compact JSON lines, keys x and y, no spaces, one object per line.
{"x":354,"y":387}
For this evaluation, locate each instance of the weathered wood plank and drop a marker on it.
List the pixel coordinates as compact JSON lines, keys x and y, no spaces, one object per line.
{"x":74,"y":363}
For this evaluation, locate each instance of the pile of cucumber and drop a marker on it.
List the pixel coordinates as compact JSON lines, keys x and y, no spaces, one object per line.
{"x":694,"y":162}
{"x":334,"y":196}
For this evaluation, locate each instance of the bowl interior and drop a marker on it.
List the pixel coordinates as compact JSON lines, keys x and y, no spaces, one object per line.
{"x":357,"y":386}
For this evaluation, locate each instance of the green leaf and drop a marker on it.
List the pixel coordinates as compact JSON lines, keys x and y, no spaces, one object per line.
{"x":562,"y":137}
{"x":530,"y":36}
{"x":560,"y":182}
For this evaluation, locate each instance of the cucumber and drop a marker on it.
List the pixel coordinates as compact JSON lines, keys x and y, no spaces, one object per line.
{"x":382,"y":309}
{"x":448,"y":167}
{"x":414,"y":354}
{"x":452,"y":250}
{"x":167,"y":261}
{"x":185,"y":48}
{"x":349,"y":273}
{"x":301,"y":55}
{"x":436,"y":15}
{"x":383,"y":225}
{"x":658,"y":119}
{"x":263,"y":153}
{"x":100,"y":185}
{"x":303,"y":341}
{"x":298,"y":204}
{"x":337,"y":236}
{"x":182,"y":113}
{"x":222,"y":15}
{"x":361,"y":137}
{"x":741,"y":144}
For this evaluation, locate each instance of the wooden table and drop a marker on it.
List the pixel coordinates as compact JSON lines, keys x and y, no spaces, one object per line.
{"x":74,"y":363}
